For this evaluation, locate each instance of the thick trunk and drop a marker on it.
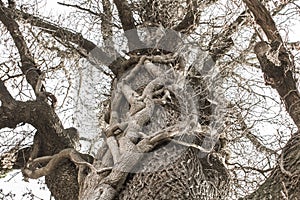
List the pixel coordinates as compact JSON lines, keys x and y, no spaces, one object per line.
{"x":283,"y":183}
{"x":148,"y":104}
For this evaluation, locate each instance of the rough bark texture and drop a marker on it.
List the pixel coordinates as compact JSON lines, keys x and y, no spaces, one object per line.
{"x":53,"y":138}
{"x":277,"y":66}
{"x":284,"y":182}
{"x":147,"y":102}
{"x":187,"y":176}
{"x":152,"y":148}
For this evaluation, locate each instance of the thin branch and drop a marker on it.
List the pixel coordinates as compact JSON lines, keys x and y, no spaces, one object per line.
{"x":67,"y":35}
{"x":240,"y":166}
{"x":189,"y":19}
{"x":253,"y":139}
{"x":84,"y":9}
{"x":222,"y":42}
{"x":296,"y":5}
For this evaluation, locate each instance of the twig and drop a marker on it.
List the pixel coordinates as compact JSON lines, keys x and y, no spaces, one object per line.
{"x":282,"y":167}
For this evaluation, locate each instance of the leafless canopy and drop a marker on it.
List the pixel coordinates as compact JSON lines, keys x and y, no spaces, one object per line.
{"x":195,"y":99}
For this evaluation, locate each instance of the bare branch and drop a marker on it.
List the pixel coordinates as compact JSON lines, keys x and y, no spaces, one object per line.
{"x":12,"y":4}
{"x":275,"y":61}
{"x":28,"y":67}
{"x":84,"y":9}
{"x":190,"y":19}
{"x":264,"y":19}
{"x":27,"y":112}
{"x":53,"y":162}
{"x":128,"y":23}
{"x":106,"y":26}
{"x":64,"y":34}
{"x":5,"y":97}
{"x":253,"y":139}
{"x":285,"y":177}
{"x":278,"y":72}
{"x":222,"y":42}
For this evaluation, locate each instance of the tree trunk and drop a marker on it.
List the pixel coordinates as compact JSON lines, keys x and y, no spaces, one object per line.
{"x":153,"y":99}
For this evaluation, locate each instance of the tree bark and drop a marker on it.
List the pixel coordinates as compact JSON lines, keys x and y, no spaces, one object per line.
{"x":144,"y":160}
{"x":277,"y":66}
{"x":149,"y":151}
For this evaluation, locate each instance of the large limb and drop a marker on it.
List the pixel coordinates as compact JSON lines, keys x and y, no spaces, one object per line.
{"x":41,"y":116}
{"x":275,"y":61}
{"x":29,"y":112}
{"x":38,"y":114}
{"x":65,"y":35}
{"x":128,"y":23}
{"x":31,"y":171}
{"x":29,"y":67}
{"x":5,"y":97}
{"x":276,"y":64}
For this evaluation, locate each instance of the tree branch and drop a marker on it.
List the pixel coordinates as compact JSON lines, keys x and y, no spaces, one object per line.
{"x":279,"y":181}
{"x":64,"y":34}
{"x":275,"y":61}
{"x":106,"y":27}
{"x":5,"y":97}
{"x":53,"y":162}
{"x":277,"y":67}
{"x":95,"y":54}
{"x":222,"y":41}
{"x":127,"y":20}
{"x":28,"y":67}
{"x":189,"y":19}
{"x":53,"y":138}
{"x":57,"y":31}
{"x":264,"y":19}
{"x":84,"y":9}
{"x":30,"y":112}
{"x":252,"y":138}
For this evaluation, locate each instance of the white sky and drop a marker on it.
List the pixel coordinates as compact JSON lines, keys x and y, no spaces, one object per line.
{"x":20,"y":187}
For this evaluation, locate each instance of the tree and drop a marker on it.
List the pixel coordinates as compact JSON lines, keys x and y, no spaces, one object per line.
{"x":178,"y":105}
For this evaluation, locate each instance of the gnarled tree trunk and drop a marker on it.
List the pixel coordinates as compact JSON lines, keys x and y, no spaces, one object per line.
{"x":157,"y":131}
